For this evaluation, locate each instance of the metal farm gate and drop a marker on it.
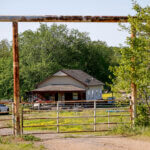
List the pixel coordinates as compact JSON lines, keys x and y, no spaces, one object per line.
{"x":74,"y":116}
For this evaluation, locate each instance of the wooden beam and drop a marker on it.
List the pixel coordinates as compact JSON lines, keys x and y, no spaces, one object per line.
{"x":54,"y":18}
{"x":16,"y":77}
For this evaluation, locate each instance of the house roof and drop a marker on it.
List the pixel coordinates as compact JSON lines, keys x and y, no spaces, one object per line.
{"x":83,"y":77}
{"x":80,"y":76}
{"x":63,"y":88}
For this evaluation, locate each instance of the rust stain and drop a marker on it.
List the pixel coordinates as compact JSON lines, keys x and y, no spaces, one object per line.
{"x":54,"y":18}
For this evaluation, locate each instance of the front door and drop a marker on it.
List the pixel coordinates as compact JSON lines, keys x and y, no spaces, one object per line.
{"x":56,"y":97}
{"x":68,"y":96}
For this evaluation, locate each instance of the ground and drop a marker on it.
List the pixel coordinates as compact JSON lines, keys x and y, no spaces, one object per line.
{"x":86,"y":142}
{"x":90,"y":141}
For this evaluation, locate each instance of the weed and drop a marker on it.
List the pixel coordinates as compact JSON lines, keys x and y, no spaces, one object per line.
{"x":30,"y":138}
{"x":70,"y":136}
{"x":17,"y":143}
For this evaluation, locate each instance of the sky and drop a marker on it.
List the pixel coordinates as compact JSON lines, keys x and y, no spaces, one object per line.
{"x":108,"y":32}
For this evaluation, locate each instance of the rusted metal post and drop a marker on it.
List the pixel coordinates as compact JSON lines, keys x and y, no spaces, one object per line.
{"x":16,"y":77}
{"x":133,"y":85}
{"x":57,"y":116}
{"x":94,"y":115}
{"x":22,"y":120}
{"x":13,"y":120}
{"x":108,"y":119}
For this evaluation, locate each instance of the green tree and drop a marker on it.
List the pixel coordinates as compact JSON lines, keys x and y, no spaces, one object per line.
{"x":6,"y":76}
{"x":49,"y":49}
{"x":134,"y":60}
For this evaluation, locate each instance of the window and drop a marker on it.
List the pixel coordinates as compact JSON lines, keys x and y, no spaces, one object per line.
{"x":75,"y":96}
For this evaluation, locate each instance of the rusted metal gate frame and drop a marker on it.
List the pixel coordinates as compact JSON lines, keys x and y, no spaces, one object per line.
{"x":51,"y":18}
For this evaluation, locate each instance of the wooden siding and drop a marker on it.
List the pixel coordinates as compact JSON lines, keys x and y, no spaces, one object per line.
{"x":60,"y":80}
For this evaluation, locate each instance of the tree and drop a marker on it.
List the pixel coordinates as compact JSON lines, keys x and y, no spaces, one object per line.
{"x":49,"y":49}
{"x":6,"y":76}
{"x":134,"y":62}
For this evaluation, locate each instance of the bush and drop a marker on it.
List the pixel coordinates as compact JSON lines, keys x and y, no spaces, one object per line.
{"x":142,"y":116}
{"x":124,"y":130}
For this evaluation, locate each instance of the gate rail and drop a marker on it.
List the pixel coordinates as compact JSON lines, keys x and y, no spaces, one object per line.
{"x":109,"y":108}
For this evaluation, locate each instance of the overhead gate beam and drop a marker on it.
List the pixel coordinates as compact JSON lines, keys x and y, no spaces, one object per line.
{"x":53,"y":18}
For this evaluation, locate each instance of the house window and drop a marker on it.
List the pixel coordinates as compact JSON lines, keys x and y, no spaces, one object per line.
{"x":75,"y":96}
{"x":92,"y":96}
{"x":52,"y":97}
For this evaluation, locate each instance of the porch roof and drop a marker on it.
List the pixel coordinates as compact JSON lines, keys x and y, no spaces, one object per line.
{"x":58,"y":88}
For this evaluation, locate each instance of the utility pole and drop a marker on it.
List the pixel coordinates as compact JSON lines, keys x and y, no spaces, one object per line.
{"x":16,"y":77}
{"x":133,"y":85}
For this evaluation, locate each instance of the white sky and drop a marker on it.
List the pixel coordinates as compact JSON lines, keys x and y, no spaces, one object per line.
{"x":97,"y":31}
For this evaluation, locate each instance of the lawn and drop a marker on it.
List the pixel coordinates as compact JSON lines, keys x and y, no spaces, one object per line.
{"x":18,"y":143}
{"x":101,"y":113}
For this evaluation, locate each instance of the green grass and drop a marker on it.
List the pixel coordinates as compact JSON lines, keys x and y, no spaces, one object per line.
{"x":17,"y":143}
{"x":30,"y":138}
{"x":135,"y":132}
{"x":106,"y":95}
{"x":64,"y":113}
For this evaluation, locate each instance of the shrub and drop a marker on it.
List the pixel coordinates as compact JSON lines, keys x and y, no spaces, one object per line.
{"x":142,"y":116}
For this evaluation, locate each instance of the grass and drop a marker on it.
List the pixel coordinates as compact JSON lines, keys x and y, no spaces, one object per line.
{"x":30,"y":138}
{"x":65,"y":113}
{"x":106,"y":95}
{"x":70,"y":136}
{"x":17,"y":143}
{"x":128,"y":131}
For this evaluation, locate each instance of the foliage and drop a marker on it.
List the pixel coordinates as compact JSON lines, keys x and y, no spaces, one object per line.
{"x":142,"y":116}
{"x":30,"y":138}
{"x":124,"y":130}
{"x":49,"y":49}
{"x":17,"y":143}
{"x":6,"y":76}
{"x":136,"y":132}
{"x":134,"y":59}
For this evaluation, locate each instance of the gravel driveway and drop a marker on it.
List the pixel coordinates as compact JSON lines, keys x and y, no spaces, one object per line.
{"x":58,"y":142}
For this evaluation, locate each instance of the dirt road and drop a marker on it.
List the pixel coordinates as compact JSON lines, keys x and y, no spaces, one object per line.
{"x":58,"y":142}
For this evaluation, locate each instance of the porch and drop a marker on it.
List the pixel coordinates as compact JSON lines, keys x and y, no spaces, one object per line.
{"x":58,"y":93}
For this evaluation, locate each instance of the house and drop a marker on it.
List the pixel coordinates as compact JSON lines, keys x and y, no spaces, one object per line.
{"x":68,"y":85}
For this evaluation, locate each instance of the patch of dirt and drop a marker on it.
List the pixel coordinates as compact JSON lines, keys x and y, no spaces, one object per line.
{"x":59,"y":142}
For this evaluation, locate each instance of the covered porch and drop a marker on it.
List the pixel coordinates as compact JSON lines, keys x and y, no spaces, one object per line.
{"x":58,"y":93}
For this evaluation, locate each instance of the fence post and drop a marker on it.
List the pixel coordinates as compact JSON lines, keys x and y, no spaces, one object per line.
{"x":131,"y":119}
{"x":13,"y":120}
{"x":21,"y":119}
{"x":95,"y":115}
{"x":108,"y":120}
{"x":57,"y":116}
